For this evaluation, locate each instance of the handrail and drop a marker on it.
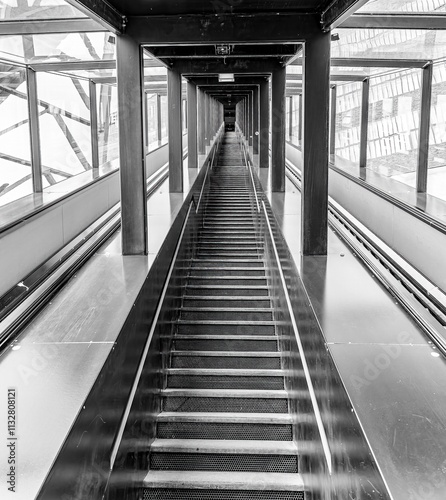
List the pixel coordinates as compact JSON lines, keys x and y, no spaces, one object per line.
{"x":320,"y":425}
{"x":255,"y":188}
{"x":142,"y":362}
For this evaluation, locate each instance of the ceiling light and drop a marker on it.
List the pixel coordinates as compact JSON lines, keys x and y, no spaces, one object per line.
{"x":226,"y":77}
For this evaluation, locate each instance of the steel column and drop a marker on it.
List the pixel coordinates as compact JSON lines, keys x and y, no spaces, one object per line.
{"x":175,"y":132}
{"x":201,"y":122}
{"x":334,"y":96}
{"x":255,"y":133}
{"x":250,"y":117}
{"x":192,"y":158}
{"x":206,"y":120}
{"x":33,"y":110}
{"x":130,"y":75}
{"x":278,"y":89}
{"x":364,"y":124}
{"x":264,"y":125}
{"x":425,"y":116}
{"x":290,"y":120}
{"x":315,"y":145}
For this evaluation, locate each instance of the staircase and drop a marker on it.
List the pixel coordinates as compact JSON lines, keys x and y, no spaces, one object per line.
{"x":224,"y":431}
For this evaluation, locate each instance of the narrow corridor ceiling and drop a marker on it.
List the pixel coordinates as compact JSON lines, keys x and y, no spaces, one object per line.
{"x":184,"y":7}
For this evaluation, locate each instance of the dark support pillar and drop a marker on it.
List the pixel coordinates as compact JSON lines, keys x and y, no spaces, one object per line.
{"x":364,"y":124}
{"x":334,"y":97}
{"x":290,"y":118}
{"x":315,"y":145}
{"x":130,"y":74}
{"x":33,"y":109}
{"x":175,"y":132}
{"x":255,"y":132}
{"x":207,"y":127}
{"x":278,"y":130}
{"x":425,"y":114}
{"x":264,"y":125}
{"x":192,"y":158}
{"x":250,"y":117}
{"x":201,"y":122}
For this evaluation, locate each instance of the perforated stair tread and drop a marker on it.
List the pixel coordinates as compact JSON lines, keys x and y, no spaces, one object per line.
{"x":226,"y":372}
{"x":214,"y":480}
{"x":217,"y":417}
{"x":224,"y":446}
{"x":226,"y":393}
{"x":237,"y":354}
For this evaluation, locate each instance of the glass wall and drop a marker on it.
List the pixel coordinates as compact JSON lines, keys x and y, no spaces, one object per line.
{"x":348,"y":125}
{"x":152,"y":121}
{"x":164,"y":118}
{"x":65,"y":129}
{"x":296,"y":133}
{"x":15,"y":151}
{"x":394,"y":122}
{"x":108,"y":127}
{"x":436,"y":184}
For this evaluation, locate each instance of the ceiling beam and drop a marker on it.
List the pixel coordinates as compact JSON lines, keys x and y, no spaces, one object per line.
{"x":102,"y":12}
{"x":396,"y":21}
{"x":209,"y":66}
{"x":224,"y":28}
{"x":208,"y":51}
{"x":49,"y":26}
{"x":338,"y":11}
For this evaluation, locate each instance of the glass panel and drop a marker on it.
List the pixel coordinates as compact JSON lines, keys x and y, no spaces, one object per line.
{"x":58,"y":47}
{"x":296,"y":130}
{"x":394,"y":118}
{"x":401,"y":6}
{"x":184,"y":116}
{"x":164,"y":117}
{"x":12,"y":10}
{"x":348,"y":125}
{"x":64,"y":127}
{"x":390,"y":44}
{"x":107,"y":99}
{"x":436,"y":184}
{"x":152,"y":121}
{"x":15,"y":151}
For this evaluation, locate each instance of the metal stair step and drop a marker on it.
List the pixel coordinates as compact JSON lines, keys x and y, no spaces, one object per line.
{"x":225,"y":400}
{"x":258,"y":343}
{"x":228,"y":280}
{"x":225,"y":327}
{"x":195,"y":378}
{"x":226,"y":314}
{"x":199,"y":485}
{"x":236,"y":301}
{"x":226,"y":290}
{"x":226,"y":359}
